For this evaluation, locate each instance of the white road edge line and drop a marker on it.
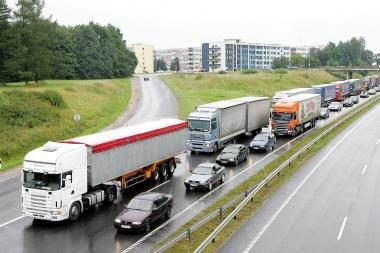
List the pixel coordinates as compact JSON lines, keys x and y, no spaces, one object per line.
{"x":342,"y":228}
{"x":11,"y":221}
{"x":277,"y":213}
{"x":364,"y":169}
{"x":159,"y":185}
{"x":8,"y":178}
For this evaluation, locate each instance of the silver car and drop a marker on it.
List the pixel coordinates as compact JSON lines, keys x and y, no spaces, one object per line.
{"x":204,"y":176}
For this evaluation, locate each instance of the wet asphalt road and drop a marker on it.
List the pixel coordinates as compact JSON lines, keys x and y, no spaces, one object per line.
{"x":330,"y":205}
{"x":94,"y":231}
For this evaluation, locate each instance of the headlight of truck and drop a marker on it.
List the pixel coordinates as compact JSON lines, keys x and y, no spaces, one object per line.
{"x":231,"y":160}
{"x":186,"y":180}
{"x":207,"y":145}
{"x":136,"y":223}
{"x":56,"y":212}
{"x":117,"y":220}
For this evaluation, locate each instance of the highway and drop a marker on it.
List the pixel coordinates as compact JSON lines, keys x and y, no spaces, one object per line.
{"x":330,"y":205}
{"x":94,"y":231}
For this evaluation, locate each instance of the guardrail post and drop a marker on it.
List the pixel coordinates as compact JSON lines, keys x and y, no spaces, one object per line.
{"x":221,"y":213}
{"x":189,"y":235}
{"x":246,"y":194}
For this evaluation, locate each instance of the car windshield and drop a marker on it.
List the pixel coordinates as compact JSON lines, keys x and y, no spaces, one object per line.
{"x":202,"y":171}
{"x":348,"y":100}
{"x":261,"y":137}
{"x":282,"y":116}
{"x":42,"y":181}
{"x":199,"y":125}
{"x":230,"y":150}
{"x":323,"y":109}
{"x":140,"y":204}
{"x":335,"y":104}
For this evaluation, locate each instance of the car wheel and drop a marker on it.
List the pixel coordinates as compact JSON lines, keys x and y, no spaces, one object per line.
{"x":147,"y":226}
{"x":210,"y":186}
{"x":74,"y":211}
{"x":187,"y":188}
{"x":245,"y":157}
{"x":267,"y":149}
{"x":168,"y":214}
{"x":272,"y":148}
{"x":236,"y":162}
{"x":215,"y":149}
{"x":222,"y":179}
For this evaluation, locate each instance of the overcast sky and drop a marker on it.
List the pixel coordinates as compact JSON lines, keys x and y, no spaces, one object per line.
{"x":180,"y":23}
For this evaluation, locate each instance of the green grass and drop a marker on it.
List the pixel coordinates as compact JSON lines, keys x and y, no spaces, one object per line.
{"x":99,"y":102}
{"x":199,"y":235}
{"x":195,"y":89}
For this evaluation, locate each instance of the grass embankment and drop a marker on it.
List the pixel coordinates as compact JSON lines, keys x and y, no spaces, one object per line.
{"x":199,"y":235}
{"x":195,"y":89}
{"x":33,"y":114}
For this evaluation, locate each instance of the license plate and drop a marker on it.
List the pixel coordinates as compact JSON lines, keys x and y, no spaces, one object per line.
{"x":224,"y":161}
{"x":193,"y":185}
{"x":255,"y":148}
{"x":125,"y":226}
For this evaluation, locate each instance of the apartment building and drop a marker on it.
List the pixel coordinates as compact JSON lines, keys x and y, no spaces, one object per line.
{"x":233,"y":54}
{"x":190,"y":58}
{"x":145,"y":58}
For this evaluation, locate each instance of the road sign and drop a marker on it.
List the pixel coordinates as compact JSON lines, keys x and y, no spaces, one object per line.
{"x":76,"y":117}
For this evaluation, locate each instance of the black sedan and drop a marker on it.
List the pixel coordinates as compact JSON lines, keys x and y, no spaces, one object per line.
{"x":263,"y":141}
{"x":348,"y":102}
{"x":143,"y":210}
{"x":233,"y":154}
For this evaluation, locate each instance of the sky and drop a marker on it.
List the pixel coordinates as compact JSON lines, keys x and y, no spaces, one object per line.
{"x":184,"y":23}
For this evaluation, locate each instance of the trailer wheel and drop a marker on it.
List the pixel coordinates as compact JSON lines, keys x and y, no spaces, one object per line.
{"x":110,"y":195}
{"x":171,"y":168}
{"x":156,"y":174}
{"x":164,"y":171}
{"x":74,"y":211}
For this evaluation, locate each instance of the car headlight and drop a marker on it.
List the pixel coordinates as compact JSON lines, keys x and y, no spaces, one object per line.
{"x":136,"y":223}
{"x":231,"y":160}
{"x":56,"y":212}
{"x":117,"y":220}
{"x":186,"y":180}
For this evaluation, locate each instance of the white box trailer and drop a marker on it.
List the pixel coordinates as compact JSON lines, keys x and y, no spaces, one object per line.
{"x":290,"y":93}
{"x":76,"y":174}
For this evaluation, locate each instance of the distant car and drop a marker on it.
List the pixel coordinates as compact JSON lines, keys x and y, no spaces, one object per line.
{"x":348,"y":102}
{"x":146,"y":78}
{"x":204,"y":176}
{"x":325,"y":113}
{"x":263,"y":141}
{"x":143,"y":210}
{"x":364,"y":94}
{"x":372,"y":92}
{"x":377,"y":88}
{"x":355,"y":99}
{"x":335,"y":106}
{"x":233,"y":154}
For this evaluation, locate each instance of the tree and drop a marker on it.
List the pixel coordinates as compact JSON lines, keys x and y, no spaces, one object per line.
{"x":281,"y":62}
{"x":160,"y":64}
{"x":174,"y":65}
{"x":4,"y":38}
{"x":297,"y":60}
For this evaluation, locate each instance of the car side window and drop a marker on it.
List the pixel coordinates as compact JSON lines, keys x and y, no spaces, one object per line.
{"x":156,"y":203}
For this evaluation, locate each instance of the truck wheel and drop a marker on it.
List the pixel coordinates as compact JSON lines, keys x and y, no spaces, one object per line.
{"x":156,"y":175}
{"x":164,"y":171}
{"x":74,"y":211}
{"x":171,"y":168}
{"x":110,"y":195}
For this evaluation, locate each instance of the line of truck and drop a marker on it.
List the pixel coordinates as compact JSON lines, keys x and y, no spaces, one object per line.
{"x":60,"y":180}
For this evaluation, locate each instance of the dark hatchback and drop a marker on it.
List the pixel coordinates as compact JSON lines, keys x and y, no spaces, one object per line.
{"x":263,"y":141}
{"x":143,"y":210}
{"x":233,"y":154}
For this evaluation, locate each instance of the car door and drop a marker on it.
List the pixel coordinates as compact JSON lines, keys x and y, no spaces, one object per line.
{"x":156,"y":212}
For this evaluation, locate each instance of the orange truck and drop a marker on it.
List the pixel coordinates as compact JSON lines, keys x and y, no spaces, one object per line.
{"x":291,"y":116}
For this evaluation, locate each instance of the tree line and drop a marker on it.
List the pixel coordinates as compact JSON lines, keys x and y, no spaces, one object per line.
{"x":33,"y":47}
{"x":346,"y":53}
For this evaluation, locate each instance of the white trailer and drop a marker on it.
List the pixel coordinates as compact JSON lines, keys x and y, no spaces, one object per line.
{"x":61,"y":180}
{"x":290,"y":93}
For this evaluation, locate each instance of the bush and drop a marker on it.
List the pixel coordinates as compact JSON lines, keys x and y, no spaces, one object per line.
{"x":198,"y":77}
{"x":222,"y":72}
{"x":281,"y":71}
{"x":249,"y":71}
{"x":54,"y":98}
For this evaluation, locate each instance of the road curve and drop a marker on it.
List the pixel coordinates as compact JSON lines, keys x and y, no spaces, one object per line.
{"x":330,"y":205}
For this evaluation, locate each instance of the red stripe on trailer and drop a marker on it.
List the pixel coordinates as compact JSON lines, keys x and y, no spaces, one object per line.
{"x":101,"y":147}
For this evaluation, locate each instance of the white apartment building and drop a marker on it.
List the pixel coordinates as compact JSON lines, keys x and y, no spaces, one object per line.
{"x":233,"y":54}
{"x":144,"y":55}
{"x":190,"y":58}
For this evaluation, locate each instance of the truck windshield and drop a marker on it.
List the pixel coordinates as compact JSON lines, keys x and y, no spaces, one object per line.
{"x":42,"y":181}
{"x":199,"y":125}
{"x":282,"y":116}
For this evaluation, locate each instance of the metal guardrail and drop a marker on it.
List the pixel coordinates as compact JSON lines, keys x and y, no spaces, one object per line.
{"x":248,"y":195}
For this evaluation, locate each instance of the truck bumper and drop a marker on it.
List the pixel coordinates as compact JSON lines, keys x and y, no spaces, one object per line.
{"x":200,"y":147}
{"x":45,"y":216}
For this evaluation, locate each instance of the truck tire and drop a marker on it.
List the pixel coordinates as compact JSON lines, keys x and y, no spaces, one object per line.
{"x":110,"y":195}
{"x":164,"y":171}
{"x":156,"y":175}
{"x":74,"y":211}
{"x":171,"y":168}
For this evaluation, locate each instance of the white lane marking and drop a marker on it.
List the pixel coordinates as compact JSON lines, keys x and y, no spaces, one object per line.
{"x":159,"y":185}
{"x":364,"y":169}
{"x":277,"y":213}
{"x":342,"y":228}
{"x":7,"y":178}
{"x":11,"y":221}
{"x":378,"y":141}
